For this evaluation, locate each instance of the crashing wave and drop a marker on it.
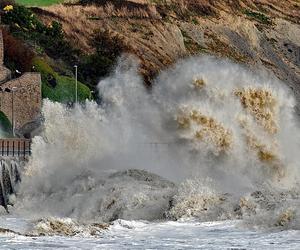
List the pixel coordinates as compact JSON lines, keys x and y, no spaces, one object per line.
{"x":204,"y":118}
{"x":130,"y":194}
{"x":66,"y":227}
{"x":55,"y":227}
{"x":269,"y":207}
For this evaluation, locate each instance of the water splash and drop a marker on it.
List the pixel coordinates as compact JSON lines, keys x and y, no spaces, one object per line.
{"x":204,"y":118}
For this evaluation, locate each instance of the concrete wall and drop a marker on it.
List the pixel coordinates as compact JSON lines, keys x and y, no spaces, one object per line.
{"x":27,"y":99}
{"x":5,"y":74}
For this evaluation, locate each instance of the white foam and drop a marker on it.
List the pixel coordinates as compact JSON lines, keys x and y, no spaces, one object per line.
{"x":137,"y":128}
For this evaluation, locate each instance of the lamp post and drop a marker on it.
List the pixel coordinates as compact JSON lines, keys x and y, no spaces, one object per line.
{"x":76,"y":84}
{"x":13,"y":109}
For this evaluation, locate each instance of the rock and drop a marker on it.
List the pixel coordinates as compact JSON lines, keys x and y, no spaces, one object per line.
{"x":136,"y":194}
{"x":95,"y":196}
{"x":30,"y":129}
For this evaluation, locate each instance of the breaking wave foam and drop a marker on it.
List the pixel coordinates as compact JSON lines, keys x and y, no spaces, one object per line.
{"x":204,"y":119}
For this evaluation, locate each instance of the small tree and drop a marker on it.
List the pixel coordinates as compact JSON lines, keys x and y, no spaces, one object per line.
{"x":97,"y":65}
{"x":4,"y":3}
{"x":16,"y":54}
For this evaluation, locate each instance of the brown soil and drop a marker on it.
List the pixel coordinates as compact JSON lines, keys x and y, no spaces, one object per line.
{"x":260,"y":33}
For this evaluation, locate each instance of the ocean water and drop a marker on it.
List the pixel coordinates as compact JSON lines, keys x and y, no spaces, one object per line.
{"x":212,"y":141}
{"x":158,"y":235}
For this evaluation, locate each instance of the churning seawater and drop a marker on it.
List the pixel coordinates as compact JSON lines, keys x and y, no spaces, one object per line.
{"x":208,"y":158}
{"x":161,"y":235}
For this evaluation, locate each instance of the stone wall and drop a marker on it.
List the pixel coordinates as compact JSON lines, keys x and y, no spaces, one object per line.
{"x":25,"y":102}
{"x":5,"y":74}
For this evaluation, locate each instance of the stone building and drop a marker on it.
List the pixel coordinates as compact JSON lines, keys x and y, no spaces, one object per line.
{"x":20,"y":98}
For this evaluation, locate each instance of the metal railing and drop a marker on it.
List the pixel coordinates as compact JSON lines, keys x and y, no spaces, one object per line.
{"x":15,"y":147}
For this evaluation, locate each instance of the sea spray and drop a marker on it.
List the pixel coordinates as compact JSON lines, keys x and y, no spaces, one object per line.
{"x":203,"y":118}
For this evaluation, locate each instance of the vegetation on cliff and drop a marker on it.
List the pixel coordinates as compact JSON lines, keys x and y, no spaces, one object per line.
{"x":17,"y":55}
{"x":262,"y":34}
{"x":38,"y":2}
{"x":57,"y":87}
{"x":28,"y":40}
{"x":93,"y":33}
{"x":47,"y":40}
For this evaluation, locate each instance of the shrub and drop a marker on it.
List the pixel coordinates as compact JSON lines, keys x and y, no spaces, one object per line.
{"x":43,"y":67}
{"x":47,"y":73}
{"x":258,"y":16}
{"x":199,"y":7}
{"x":5,"y":124}
{"x":25,"y":24}
{"x":17,"y":55}
{"x":22,"y":18}
{"x":4,"y":3}
{"x":100,"y":63}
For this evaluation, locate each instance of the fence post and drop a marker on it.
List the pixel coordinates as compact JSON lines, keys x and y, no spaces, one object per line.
{"x":15,"y":147}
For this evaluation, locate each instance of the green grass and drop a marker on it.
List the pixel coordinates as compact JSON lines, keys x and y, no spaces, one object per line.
{"x":38,"y":2}
{"x":260,"y":17}
{"x":64,"y":91}
{"x":44,"y":68}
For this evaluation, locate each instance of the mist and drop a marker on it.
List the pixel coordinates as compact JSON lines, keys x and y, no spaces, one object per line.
{"x":204,"y":119}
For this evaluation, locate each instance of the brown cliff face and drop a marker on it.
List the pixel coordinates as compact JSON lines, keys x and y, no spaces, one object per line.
{"x":260,"y":33}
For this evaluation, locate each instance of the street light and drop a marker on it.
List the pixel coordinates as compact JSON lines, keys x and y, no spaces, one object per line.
{"x":13,"y":109}
{"x":76,"y":83}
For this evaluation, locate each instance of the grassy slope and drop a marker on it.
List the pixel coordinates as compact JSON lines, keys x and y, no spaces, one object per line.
{"x":65,"y":90}
{"x":38,"y":2}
